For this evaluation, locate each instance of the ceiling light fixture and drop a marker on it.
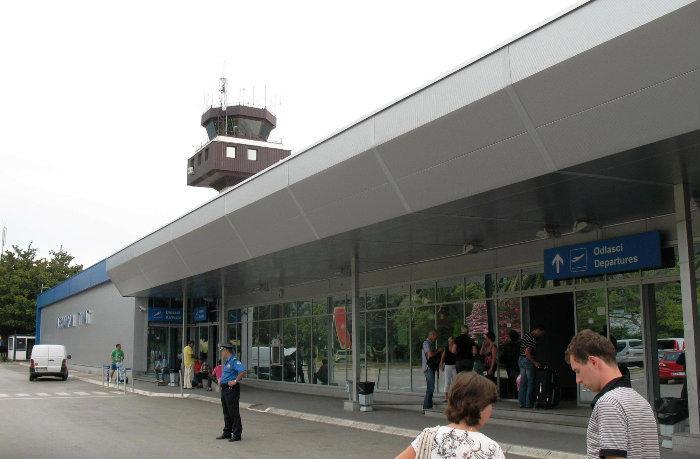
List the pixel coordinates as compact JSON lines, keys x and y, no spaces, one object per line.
{"x":583,"y":226}
{"x":548,"y":232}
{"x":471,"y":247}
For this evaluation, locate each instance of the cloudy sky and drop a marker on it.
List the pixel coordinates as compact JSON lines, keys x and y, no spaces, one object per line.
{"x":100,"y":102}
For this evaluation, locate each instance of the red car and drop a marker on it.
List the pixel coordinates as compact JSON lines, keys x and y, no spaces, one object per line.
{"x":669,"y":368}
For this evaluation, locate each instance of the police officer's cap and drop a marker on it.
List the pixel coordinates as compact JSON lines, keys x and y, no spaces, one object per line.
{"x":226,"y":346}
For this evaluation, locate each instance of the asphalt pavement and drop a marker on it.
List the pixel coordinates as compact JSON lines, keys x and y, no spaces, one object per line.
{"x":74,"y":419}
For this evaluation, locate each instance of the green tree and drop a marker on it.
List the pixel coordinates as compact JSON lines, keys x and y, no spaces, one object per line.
{"x":22,"y":276}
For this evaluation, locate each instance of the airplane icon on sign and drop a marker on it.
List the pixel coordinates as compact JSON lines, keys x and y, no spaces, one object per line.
{"x":579,"y":261}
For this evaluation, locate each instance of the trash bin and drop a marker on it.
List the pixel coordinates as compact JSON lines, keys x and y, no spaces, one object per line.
{"x":670,"y":410}
{"x":174,"y":379}
{"x":365,"y":392}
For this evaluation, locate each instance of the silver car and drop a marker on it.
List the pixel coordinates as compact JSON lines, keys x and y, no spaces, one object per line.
{"x":630,"y":351}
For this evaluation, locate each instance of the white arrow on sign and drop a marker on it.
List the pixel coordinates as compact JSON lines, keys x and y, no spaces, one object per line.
{"x":557,"y":262}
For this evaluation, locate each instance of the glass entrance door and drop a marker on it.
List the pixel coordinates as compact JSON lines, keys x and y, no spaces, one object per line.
{"x":157,"y":348}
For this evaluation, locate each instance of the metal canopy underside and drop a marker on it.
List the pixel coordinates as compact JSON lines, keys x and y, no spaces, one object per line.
{"x":626,"y":187}
{"x":593,"y":116}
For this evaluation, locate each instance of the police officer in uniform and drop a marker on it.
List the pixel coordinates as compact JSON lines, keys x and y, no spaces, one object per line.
{"x":232,"y":372}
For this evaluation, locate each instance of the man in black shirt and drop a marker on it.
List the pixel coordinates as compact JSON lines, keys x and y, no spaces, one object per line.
{"x":528,"y":363}
{"x":466,"y":350}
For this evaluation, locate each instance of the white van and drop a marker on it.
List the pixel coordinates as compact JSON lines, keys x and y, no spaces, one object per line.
{"x":48,"y":360}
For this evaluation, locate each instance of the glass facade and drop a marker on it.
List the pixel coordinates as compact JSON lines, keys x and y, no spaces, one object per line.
{"x":308,"y":341}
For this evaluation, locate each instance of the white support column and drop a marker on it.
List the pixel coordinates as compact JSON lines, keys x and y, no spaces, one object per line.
{"x":686,"y":261}
{"x":222,"y":313}
{"x":184,"y":326}
{"x":355,"y":317}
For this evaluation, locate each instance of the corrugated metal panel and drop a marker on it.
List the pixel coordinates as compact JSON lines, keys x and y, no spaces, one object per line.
{"x":587,"y":27}
{"x":84,"y":280}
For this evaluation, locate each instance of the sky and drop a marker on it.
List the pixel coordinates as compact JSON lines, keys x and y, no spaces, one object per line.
{"x":100,"y":102}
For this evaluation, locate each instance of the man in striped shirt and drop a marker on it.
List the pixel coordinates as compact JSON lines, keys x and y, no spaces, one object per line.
{"x":622,"y":423}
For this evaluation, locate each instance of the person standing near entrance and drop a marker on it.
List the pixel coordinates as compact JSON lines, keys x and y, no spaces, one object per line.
{"x":188,"y":363}
{"x":466,"y":350}
{"x":489,"y":350}
{"x":527,"y":364}
{"x":447,"y":363}
{"x":430,"y":362}
{"x":117,"y":360}
{"x":232,"y":372}
{"x":622,"y":423}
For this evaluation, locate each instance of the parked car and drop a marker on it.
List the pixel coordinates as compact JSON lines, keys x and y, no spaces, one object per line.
{"x":48,"y":360}
{"x":630,"y":351}
{"x":670,"y":344}
{"x":669,"y":369}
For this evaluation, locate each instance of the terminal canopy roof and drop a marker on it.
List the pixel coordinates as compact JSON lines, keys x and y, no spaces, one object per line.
{"x":593,"y":115}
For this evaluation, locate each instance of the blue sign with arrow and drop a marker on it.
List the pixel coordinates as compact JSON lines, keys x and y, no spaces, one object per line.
{"x":622,"y":254}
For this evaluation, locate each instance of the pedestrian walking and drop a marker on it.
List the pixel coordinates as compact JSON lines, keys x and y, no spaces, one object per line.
{"x":527,"y":363}
{"x":469,"y":407}
{"x":622,"y":423}
{"x":466,"y":350}
{"x":232,"y":372}
{"x":188,"y":363}
{"x":430,"y":362}
{"x":117,"y":360}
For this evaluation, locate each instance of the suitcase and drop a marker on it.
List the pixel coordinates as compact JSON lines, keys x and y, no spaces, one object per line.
{"x":547,"y":390}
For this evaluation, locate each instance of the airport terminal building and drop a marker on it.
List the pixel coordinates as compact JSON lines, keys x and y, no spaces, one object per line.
{"x":553,"y":180}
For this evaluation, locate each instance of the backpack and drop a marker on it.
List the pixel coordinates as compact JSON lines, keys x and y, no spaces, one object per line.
{"x":434,"y":361}
{"x":508,"y":354}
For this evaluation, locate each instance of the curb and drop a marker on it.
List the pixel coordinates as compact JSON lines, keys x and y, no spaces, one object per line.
{"x":526,"y":451}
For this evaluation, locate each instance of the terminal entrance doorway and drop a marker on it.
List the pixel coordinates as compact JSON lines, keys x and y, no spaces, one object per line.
{"x":556,"y":313}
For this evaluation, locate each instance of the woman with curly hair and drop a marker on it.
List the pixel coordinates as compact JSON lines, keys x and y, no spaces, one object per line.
{"x":469,"y":406}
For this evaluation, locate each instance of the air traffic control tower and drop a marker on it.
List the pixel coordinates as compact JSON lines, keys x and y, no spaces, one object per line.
{"x":237,"y":148}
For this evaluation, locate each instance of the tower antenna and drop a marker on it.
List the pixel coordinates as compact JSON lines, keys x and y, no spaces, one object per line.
{"x":222,"y":100}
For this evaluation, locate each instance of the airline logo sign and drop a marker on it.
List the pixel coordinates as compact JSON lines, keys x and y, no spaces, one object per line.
{"x":164,"y":314}
{"x":622,"y":254}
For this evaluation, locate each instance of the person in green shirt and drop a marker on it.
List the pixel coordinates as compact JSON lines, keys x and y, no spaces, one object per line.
{"x":117,"y":358}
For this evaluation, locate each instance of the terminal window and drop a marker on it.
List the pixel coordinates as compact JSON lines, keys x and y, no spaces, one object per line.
{"x":230,"y":152}
{"x":252,"y":154}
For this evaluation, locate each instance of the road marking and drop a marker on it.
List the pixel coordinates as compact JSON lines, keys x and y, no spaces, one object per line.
{"x":21,"y":395}
{"x":117,"y":392}
{"x":99,"y":393}
{"x":43,"y":394}
{"x":3,"y":395}
{"x":64,"y":394}
{"x":81,"y":393}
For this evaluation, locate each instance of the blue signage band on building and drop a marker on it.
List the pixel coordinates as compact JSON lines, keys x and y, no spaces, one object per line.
{"x":618,"y":255}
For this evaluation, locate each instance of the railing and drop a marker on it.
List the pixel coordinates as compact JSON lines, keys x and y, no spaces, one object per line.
{"x":122,"y":378}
